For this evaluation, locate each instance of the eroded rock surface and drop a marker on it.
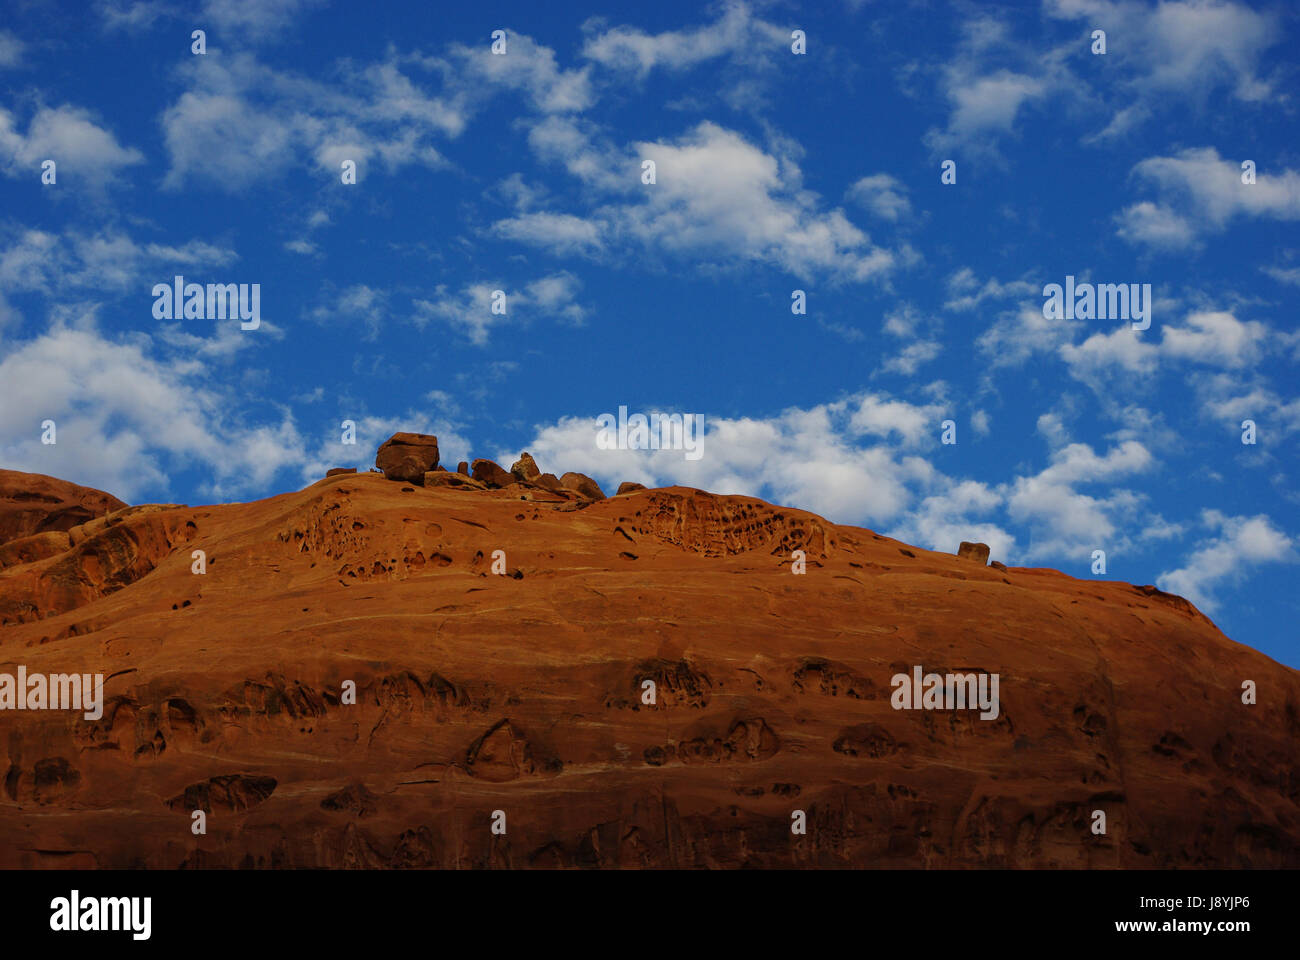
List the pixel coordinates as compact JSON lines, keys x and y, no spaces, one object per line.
{"x":350,"y":684}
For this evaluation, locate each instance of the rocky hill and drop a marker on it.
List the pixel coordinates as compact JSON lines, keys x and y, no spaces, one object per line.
{"x":356,"y":678}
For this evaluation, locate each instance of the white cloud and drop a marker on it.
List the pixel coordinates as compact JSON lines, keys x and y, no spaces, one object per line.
{"x":263,"y":19}
{"x":985,"y":105}
{"x":1239,"y":543}
{"x":883,"y":195}
{"x":1216,"y":337}
{"x":126,"y":418}
{"x":577,"y":145}
{"x":470,"y":310}
{"x":1065,"y":522}
{"x":1201,"y":193}
{"x":810,"y":458}
{"x":98,"y":263}
{"x":1288,"y":275}
{"x":239,"y":121}
{"x":133,"y":412}
{"x":1122,"y":351}
{"x":1052,"y":426}
{"x":736,"y":33}
{"x":912,"y":357}
{"x":716,"y":197}
{"x":70,"y":137}
{"x":718,"y":194}
{"x":132,"y":16}
{"x":11,"y":49}
{"x":1022,"y":333}
{"x":358,"y":303}
{"x":905,"y":321}
{"x":519,"y":193}
{"x":853,"y":461}
{"x":1225,"y":399}
{"x":1209,"y":338}
{"x":1155,"y":52}
{"x":882,"y":417}
{"x":942,"y":522}
{"x":1155,"y":226}
{"x":527,"y":67}
{"x":561,"y":233}
{"x":965,"y":292}
{"x":988,"y":82}
{"x":1180,"y":48}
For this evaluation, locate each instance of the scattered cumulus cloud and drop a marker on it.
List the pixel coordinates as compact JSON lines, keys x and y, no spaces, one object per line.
{"x":1236,"y":545}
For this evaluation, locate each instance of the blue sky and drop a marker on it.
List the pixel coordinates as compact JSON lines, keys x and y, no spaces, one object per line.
{"x":775,"y":171}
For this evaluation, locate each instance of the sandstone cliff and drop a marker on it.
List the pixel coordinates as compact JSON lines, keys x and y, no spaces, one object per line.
{"x":523,"y":692}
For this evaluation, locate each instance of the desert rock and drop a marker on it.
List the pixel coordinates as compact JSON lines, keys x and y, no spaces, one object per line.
{"x":583,"y":484}
{"x":34,"y":503}
{"x":490,"y":473}
{"x":444,"y":478}
{"x":477,"y":691}
{"x":525,"y":468}
{"x":407,"y":456}
{"x":549,"y":481}
{"x":36,"y":547}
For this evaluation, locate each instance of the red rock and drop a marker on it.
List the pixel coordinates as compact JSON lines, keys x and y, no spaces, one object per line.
{"x":444,"y":478}
{"x":476,"y":691}
{"x":36,"y":547}
{"x":463,"y":468}
{"x":583,"y":484}
{"x":979,"y":552}
{"x":34,"y":503}
{"x":525,"y":468}
{"x":338,"y":471}
{"x":407,"y":456}
{"x":549,"y":481}
{"x":490,"y":473}
{"x":628,"y":486}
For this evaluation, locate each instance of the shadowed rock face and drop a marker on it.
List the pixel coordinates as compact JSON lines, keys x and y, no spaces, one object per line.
{"x":407,"y":456}
{"x":350,"y":685}
{"x":582,"y":484}
{"x":490,"y":473}
{"x":31,"y":503}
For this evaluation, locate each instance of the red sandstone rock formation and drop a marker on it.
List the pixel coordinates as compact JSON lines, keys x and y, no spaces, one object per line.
{"x":491,"y":473}
{"x":525,"y":468}
{"x":408,"y":456}
{"x":583,"y":484}
{"x":31,"y":503}
{"x":474,"y":692}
